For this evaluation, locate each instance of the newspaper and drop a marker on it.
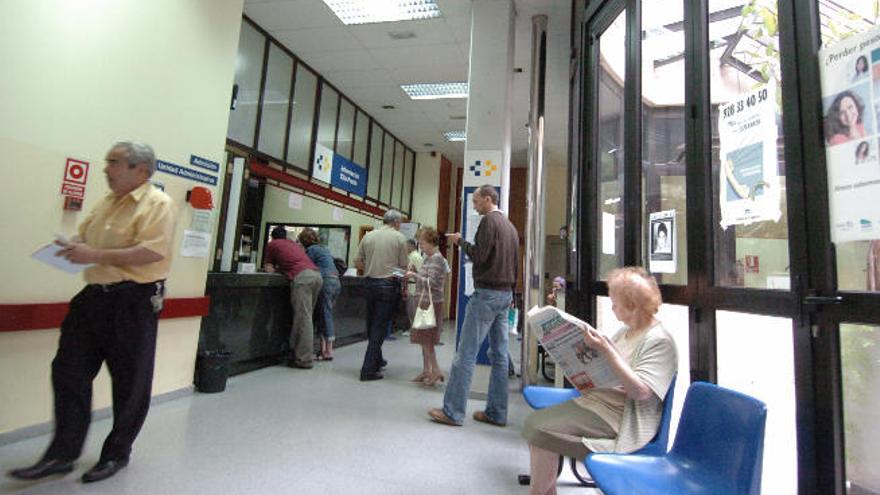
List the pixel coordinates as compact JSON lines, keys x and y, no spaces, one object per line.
{"x":562,"y":336}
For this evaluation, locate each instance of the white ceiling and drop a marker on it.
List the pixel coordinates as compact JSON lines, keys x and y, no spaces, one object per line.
{"x":369,"y":66}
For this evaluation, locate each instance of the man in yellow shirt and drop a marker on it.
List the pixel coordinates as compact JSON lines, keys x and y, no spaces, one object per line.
{"x":127,"y":237}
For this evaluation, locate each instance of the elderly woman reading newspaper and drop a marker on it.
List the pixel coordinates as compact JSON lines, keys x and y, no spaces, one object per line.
{"x":622,"y":419}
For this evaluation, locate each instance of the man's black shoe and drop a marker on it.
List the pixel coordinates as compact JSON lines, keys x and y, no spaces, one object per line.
{"x":46,"y":467}
{"x":384,"y":363}
{"x":371,"y":377}
{"x":103,"y":470}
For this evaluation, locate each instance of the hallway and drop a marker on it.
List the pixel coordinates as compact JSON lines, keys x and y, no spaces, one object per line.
{"x":281,"y":430}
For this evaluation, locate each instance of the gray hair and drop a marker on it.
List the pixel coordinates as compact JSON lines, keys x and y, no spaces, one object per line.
{"x":392,"y":217}
{"x":137,"y":153}
{"x":487,"y":191}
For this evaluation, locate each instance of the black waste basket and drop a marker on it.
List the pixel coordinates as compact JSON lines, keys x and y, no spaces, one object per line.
{"x":212,"y":369}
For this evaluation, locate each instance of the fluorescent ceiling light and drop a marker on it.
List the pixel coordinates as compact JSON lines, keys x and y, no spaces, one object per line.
{"x":368,"y":11}
{"x":455,"y":136}
{"x":434,"y":91}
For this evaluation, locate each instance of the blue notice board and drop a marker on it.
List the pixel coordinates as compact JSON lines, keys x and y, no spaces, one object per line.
{"x":348,"y":175}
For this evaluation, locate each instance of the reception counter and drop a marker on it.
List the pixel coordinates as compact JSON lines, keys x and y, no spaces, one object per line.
{"x":250,"y":316}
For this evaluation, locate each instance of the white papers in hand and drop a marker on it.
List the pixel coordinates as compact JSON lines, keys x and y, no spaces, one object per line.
{"x":46,"y":254}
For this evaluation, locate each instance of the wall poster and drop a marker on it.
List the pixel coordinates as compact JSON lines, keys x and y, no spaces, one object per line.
{"x":749,"y":189}
{"x":850,"y":71}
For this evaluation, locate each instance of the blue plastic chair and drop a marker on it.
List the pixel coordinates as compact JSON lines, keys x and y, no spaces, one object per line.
{"x":718,"y":450}
{"x":541,"y":397}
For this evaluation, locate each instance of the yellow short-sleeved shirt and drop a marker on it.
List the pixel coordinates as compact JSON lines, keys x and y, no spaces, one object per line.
{"x":144,"y":217}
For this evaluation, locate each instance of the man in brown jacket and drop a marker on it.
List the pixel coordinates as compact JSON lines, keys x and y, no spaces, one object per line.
{"x":494,"y":254}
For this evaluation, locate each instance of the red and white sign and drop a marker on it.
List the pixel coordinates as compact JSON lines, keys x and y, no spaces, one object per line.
{"x":73,"y":190}
{"x":752,"y":264}
{"x":76,"y":172}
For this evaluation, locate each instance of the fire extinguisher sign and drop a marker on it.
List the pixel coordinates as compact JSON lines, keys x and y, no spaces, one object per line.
{"x":76,"y":172}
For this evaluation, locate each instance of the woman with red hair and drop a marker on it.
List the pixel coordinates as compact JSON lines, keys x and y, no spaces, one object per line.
{"x":621,"y":419}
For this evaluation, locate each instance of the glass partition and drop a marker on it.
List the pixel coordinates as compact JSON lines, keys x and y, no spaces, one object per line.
{"x":327,"y":117}
{"x":375,"y":165}
{"x":611,"y":144}
{"x":397,"y":178}
{"x":248,"y":72}
{"x":664,"y":160}
{"x":748,"y":164}
{"x":408,"y":170}
{"x":860,"y":373}
{"x":387,"y":169}
{"x":756,"y":357}
{"x":346,"y":129}
{"x":361,"y":138}
{"x":302,"y":118}
{"x":276,"y":101}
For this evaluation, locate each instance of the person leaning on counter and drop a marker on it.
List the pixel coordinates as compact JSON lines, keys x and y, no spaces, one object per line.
{"x":127,"y":237}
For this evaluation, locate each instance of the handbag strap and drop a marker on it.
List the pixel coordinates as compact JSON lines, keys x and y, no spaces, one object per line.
{"x":430,"y":295}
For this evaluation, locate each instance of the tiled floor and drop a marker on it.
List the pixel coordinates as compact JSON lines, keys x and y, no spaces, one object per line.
{"x":280,"y":430}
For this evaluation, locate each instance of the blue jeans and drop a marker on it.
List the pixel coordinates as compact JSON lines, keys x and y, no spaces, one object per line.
{"x":486,"y":313}
{"x":383,"y":295}
{"x":324,"y":314}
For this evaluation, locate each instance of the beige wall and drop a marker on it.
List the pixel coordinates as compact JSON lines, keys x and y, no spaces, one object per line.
{"x":78,"y":76}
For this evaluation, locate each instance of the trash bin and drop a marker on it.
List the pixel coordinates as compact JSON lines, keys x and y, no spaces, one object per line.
{"x":212,"y":369}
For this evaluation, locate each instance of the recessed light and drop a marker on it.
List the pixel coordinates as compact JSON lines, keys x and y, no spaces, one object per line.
{"x":387,"y":107}
{"x":369,"y":11}
{"x":453,"y":136}
{"x":433,"y":91}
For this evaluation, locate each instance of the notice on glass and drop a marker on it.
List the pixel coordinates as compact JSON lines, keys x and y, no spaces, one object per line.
{"x":608,"y":243}
{"x":201,"y":221}
{"x":337,"y":243}
{"x":295,"y":201}
{"x":850,"y":73}
{"x":749,"y":189}
{"x":195,"y":244}
{"x":661,"y":242}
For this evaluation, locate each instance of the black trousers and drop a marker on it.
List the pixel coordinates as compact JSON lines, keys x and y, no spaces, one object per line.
{"x":383,"y":296}
{"x":115,"y":324}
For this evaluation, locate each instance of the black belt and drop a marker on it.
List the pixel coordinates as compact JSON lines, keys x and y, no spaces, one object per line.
{"x":125,"y":284}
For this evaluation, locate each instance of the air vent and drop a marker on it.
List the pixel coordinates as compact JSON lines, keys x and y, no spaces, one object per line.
{"x":428,"y":145}
{"x":387,"y":107}
{"x":401,"y":35}
{"x":457,"y":117}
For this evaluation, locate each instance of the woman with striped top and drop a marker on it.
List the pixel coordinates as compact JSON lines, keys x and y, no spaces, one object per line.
{"x":433,"y":274}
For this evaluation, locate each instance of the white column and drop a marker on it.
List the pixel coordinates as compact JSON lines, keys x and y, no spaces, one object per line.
{"x":487,"y":150}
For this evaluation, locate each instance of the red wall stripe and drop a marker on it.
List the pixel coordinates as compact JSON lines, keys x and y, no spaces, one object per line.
{"x":18,"y":317}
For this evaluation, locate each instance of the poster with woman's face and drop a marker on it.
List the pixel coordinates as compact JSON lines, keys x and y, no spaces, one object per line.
{"x":848,"y":115}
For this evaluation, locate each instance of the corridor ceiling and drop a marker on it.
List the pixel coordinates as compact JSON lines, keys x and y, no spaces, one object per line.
{"x":369,"y":62}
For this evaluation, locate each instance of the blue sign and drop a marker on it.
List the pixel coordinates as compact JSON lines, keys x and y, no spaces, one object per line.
{"x":186,"y":173}
{"x":349,"y":176}
{"x":204,"y":163}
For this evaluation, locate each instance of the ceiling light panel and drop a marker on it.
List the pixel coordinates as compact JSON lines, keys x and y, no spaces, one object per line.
{"x":371,"y":11}
{"x":452,"y":136}
{"x":434,"y":91}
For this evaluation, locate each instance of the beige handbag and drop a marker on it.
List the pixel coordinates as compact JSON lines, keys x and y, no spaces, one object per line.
{"x":424,"y":318}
